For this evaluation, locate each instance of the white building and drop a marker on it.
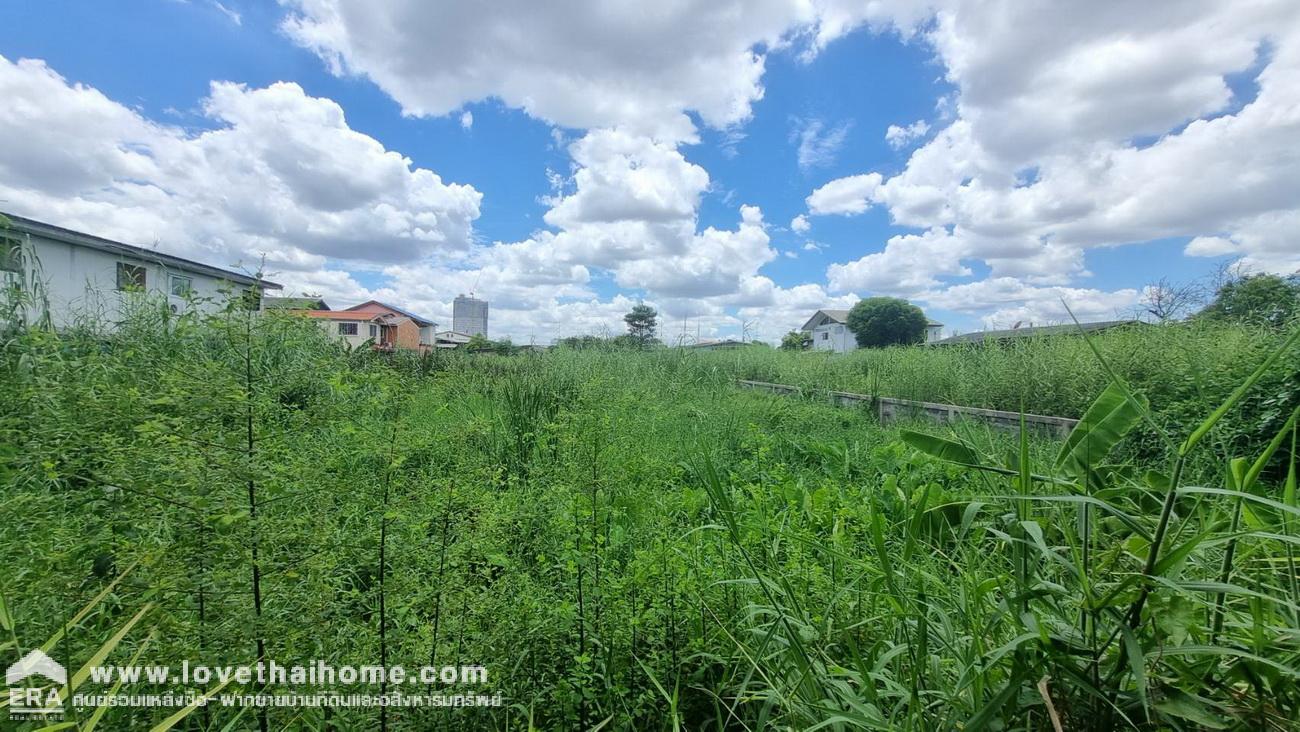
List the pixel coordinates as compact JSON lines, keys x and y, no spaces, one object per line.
{"x":451,"y":339}
{"x":469,"y":315}
{"x":84,"y":276}
{"x":829,"y":331}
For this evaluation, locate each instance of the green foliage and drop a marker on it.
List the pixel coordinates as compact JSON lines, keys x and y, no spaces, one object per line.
{"x":641,"y":322}
{"x":1260,"y":299}
{"x":795,"y":340}
{"x":886,"y":321}
{"x":1100,"y":429}
{"x":698,"y":558}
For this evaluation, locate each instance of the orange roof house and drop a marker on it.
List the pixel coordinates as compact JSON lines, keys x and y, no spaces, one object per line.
{"x":387,"y":327}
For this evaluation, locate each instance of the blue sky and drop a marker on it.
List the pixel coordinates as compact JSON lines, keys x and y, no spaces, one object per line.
{"x":618,"y":153}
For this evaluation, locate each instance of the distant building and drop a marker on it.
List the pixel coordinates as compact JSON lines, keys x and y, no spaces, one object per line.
{"x":386,"y":327}
{"x":81,"y":275}
{"x":1035,"y":331}
{"x":450,"y":339}
{"x":829,"y":331}
{"x":469,"y":316}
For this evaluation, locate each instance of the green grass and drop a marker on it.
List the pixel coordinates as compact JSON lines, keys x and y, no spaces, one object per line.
{"x":627,"y":541}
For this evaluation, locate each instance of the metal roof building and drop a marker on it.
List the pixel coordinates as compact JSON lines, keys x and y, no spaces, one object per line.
{"x":1034,"y":331}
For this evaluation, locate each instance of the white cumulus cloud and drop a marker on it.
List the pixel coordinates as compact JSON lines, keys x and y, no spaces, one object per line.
{"x":583,"y":64}
{"x":851,"y":195}
{"x":1078,"y":126}
{"x":281,"y":172}
{"x":899,"y":137}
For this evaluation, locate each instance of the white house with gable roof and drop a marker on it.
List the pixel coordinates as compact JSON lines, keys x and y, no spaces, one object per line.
{"x":79,"y":275}
{"x":829,"y":331}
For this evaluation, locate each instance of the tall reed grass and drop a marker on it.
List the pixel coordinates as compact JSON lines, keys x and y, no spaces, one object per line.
{"x":627,"y":541}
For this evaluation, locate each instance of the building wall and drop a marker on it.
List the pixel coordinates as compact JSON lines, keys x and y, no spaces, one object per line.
{"x":81,"y":282}
{"x":407,"y":334}
{"x":933,"y":333}
{"x":331,"y":328}
{"x":469,"y":316}
{"x":833,"y":337}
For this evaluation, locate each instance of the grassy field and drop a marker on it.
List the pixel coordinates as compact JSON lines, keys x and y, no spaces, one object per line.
{"x":626,"y":541}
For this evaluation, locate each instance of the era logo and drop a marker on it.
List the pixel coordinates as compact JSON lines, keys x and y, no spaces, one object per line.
{"x":35,"y":701}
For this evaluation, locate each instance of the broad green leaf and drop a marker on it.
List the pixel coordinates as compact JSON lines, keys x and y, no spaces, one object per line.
{"x":1105,"y":423}
{"x":1137,"y":664}
{"x":942,"y":448}
{"x":1185,"y":706}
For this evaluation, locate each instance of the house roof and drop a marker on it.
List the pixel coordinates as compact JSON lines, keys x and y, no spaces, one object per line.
{"x":295,"y":303}
{"x":373,"y":304}
{"x":90,"y":241}
{"x":821,"y":317}
{"x":369,"y":317}
{"x":1033,"y":331}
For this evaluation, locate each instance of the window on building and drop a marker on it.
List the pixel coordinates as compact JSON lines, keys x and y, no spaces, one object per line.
{"x":130,"y":276}
{"x":11,"y":263}
{"x":347,"y":329}
{"x":11,"y":256}
{"x":374,"y":330}
{"x":825,"y":335}
{"x":180,"y":285}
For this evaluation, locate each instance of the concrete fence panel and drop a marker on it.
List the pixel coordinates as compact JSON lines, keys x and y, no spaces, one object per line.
{"x":889,"y":409}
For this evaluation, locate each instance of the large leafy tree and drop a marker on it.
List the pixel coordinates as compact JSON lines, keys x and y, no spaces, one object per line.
{"x":886,"y":321}
{"x":1261,"y":299}
{"x":641,"y":324}
{"x":795,"y":340}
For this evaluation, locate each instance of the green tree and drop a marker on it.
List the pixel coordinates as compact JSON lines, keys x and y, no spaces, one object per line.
{"x":795,"y":340}
{"x":478,"y":342}
{"x":1261,"y":299}
{"x":641,"y":324}
{"x":886,"y":321}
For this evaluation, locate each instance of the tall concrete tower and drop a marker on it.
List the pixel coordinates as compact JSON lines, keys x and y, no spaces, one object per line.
{"x":469,"y":316}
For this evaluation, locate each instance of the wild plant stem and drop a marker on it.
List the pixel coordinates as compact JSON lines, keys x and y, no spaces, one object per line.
{"x":263,"y":722}
{"x":383,"y":574}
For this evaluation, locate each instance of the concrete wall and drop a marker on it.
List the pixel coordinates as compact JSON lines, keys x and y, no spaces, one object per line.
{"x":888,"y":409}
{"x":81,"y":282}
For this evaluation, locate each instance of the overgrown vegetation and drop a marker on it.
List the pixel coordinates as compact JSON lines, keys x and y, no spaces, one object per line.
{"x":628,"y":542}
